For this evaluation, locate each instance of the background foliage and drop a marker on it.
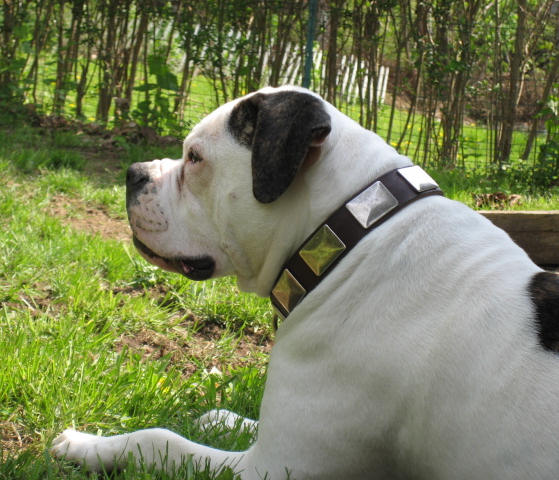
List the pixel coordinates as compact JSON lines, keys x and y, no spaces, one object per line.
{"x":464,"y":77}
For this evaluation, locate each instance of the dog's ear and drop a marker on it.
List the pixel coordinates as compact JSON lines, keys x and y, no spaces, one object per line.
{"x":280,"y":129}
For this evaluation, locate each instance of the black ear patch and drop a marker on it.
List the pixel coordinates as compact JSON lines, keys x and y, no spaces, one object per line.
{"x":242,"y":121}
{"x":279,"y":128}
{"x":544,"y":290}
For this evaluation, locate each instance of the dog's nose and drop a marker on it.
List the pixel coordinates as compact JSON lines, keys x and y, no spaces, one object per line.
{"x":137,"y":176}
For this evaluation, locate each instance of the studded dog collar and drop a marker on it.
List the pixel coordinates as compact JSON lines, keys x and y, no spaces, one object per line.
{"x":330,"y":242}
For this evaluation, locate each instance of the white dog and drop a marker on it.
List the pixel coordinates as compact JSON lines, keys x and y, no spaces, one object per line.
{"x":422,"y":350}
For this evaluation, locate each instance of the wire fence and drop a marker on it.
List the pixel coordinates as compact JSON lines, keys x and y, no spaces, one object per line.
{"x":478,"y":91}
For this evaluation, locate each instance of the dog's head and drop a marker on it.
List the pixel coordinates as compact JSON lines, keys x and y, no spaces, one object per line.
{"x":218,"y":210}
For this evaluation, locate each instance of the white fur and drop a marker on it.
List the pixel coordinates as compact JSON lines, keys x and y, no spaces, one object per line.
{"x":417,"y":357}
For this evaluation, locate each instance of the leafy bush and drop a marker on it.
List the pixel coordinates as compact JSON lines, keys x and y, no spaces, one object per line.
{"x":546,"y":170}
{"x":156,"y":108}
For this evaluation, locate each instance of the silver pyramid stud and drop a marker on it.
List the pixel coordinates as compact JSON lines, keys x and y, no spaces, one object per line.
{"x":372,"y":204}
{"x":322,"y":249}
{"x":418,"y":178}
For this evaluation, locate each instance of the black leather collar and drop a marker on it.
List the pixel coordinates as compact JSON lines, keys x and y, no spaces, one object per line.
{"x":335,"y":237}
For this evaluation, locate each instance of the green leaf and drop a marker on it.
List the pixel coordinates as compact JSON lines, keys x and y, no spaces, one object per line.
{"x":145,"y":87}
{"x":168,"y":81}
{"x":156,"y":65}
{"x":143,"y":107}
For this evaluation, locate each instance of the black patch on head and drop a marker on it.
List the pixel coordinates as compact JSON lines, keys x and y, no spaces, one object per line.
{"x":279,"y":128}
{"x":242,"y":121}
{"x":544,"y":290}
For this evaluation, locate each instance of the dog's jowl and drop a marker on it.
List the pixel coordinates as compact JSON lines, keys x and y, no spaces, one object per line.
{"x":418,"y":339}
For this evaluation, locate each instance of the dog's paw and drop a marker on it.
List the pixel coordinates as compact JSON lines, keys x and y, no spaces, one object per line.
{"x":209,"y":420}
{"x":82,"y":448}
{"x":224,"y":421}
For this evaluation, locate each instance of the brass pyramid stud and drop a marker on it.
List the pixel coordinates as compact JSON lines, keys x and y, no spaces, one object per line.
{"x":288,"y":291}
{"x":322,"y":249}
{"x":372,"y":204}
{"x":418,"y":178}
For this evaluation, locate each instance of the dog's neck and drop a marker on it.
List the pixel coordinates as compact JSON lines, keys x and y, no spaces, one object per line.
{"x":341,"y":171}
{"x":333,"y":239}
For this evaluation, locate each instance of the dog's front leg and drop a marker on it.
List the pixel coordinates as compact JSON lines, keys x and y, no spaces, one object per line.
{"x":152,"y":447}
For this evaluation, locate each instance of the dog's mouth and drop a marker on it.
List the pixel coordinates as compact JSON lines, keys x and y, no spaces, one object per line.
{"x":196,"y":268}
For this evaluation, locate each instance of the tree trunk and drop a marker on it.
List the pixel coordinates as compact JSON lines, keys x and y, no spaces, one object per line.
{"x":140,"y":37}
{"x":40,"y":34}
{"x":58,"y":101}
{"x":549,"y":82}
{"x":335,"y":11}
{"x":13,"y":11}
{"x":502,"y":153}
{"x":106,"y":73}
{"x":453,"y":112}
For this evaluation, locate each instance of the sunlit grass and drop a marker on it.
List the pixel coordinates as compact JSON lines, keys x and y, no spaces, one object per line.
{"x":69,"y":299}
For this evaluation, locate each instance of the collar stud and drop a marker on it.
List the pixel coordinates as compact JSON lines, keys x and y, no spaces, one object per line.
{"x":288,"y":292}
{"x":372,"y":204}
{"x":321,"y":250}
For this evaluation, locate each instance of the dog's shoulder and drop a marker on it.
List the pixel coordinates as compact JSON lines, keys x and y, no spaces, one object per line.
{"x":544,"y":292}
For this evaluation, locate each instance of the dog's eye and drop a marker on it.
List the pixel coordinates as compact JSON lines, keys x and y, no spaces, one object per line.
{"x":194,"y":156}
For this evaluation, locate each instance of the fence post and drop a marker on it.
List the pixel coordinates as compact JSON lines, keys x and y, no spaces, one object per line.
{"x":313,"y":4}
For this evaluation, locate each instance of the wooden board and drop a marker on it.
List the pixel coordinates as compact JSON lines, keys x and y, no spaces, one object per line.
{"x":536,"y":232}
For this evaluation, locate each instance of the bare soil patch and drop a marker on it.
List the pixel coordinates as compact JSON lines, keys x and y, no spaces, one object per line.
{"x":192,"y":349}
{"x":12,"y":438}
{"x":89,"y":218}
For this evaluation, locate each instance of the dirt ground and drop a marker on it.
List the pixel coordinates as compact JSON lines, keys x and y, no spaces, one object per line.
{"x":89,"y":218}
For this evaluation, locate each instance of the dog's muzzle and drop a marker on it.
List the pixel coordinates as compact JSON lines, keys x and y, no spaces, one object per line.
{"x":195,"y":268}
{"x":139,"y":181}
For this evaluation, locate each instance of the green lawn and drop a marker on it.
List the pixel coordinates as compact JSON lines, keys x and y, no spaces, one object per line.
{"x":92,"y":336}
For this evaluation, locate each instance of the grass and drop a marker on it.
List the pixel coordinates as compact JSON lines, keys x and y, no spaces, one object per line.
{"x":92,"y":336}
{"x":462,"y":184}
